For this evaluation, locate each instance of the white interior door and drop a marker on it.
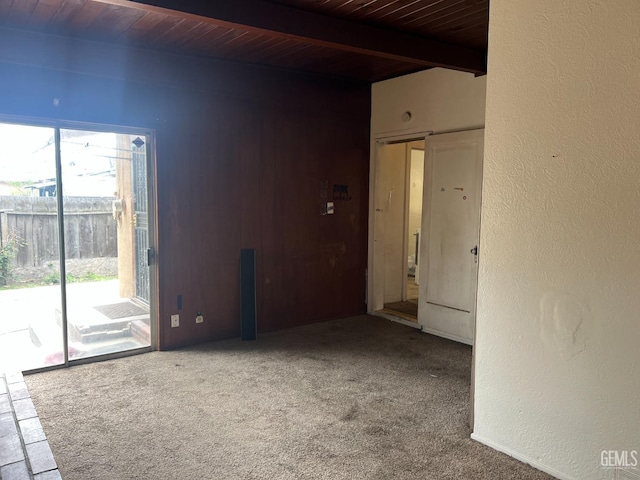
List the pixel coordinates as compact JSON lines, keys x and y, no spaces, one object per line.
{"x":450,"y":227}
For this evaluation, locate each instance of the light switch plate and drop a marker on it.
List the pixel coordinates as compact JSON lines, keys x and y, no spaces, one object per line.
{"x":330,"y":208}
{"x":175,"y":321}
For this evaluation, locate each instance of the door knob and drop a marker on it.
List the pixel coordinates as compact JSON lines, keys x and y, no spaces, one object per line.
{"x":474,"y":250}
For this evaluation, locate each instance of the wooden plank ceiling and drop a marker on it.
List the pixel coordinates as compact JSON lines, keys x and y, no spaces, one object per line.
{"x":361,"y":40}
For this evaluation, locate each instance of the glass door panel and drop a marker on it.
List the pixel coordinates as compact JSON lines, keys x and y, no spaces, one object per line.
{"x":30,"y":284}
{"x":106,"y":241}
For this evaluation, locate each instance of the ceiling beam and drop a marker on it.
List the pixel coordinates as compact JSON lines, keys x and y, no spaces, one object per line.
{"x":277,"y":20}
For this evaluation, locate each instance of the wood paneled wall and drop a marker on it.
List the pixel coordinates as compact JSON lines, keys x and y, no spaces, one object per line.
{"x":242,"y":152}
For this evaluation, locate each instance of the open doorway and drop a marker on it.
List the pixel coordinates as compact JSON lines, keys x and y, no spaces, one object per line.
{"x":75,"y":232}
{"x":444,"y":224}
{"x":399,"y":191}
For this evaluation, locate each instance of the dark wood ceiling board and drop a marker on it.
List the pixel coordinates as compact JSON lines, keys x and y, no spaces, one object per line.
{"x":155,"y":32}
{"x":286,"y":52}
{"x":67,"y":10}
{"x":312,"y":55}
{"x":369,"y":12}
{"x":459,"y":21}
{"x":196,"y":37}
{"x":364,"y":8}
{"x":386,"y":74}
{"x":320,"y":55}
{"x":276,"y":52}
{"x":471,"y":36}
{"x":477,"y":21}
{"x":390,"y":10}
{"x":43,"y":12}
{"x":318,"y":3}
{"x":385,"y":12}
{"x":284,"y":57}
{"x":382,"y":70}
{"x":379,"y":74}
{"x":455,"y":24}
{"x":114,"y":20}
{"x":238,"y":38}
{"x":444,"y":15}
{"x":470,"y":33}
{"x":249,"y":42}
{"x":431,"y":9}
{"x":386,"y":8}
{"x":390,"y":66}
{"x":217,"y":37}
{"x":344,"y":64}
{"x":177,"y":31}
{"x":351,"y":70}
{"x":5,"y":8}
{"x":353,"y":6}
{"x":323,"y":6}
{"x":460,"y":32}
{"x":251,"y":46}
{"x":397,"y":15}
{"x":336,"y":33}
{"x":229,"y":45}
{"x":20,"y":12}
{"x":264,"y":48}
{"x":356,"y":65}
{"x":235,"y":45}
{"x":85,"y":15}
{"x":471,"y":39}
{"x":146,"y":23}
{"x":219,"y":34}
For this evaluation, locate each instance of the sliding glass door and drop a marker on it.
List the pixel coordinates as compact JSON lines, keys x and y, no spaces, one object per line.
{"x":94,"y":294}
{"x":30,"y":280}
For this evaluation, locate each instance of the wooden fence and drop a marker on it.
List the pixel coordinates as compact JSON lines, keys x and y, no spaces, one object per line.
{"x":89,"y":228}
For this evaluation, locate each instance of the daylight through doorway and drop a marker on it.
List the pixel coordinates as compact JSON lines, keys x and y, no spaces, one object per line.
{"x":399,"y":187}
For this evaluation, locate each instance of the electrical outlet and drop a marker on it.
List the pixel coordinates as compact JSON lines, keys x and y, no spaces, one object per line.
{"x":175,"y":321}
{"x":199,"y":318}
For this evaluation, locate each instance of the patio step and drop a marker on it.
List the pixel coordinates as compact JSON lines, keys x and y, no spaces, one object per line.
{"x":88,"y":324}
{"x":141,"y":331}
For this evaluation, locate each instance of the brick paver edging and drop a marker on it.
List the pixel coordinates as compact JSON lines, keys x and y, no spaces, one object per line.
{"x":24,"y":450}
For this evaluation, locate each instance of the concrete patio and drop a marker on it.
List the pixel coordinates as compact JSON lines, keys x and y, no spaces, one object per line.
{"x":30,"y":324}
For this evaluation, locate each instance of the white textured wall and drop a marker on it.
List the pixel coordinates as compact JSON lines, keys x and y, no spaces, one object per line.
{"x":558,"y":326}
{"x":439,"y":100}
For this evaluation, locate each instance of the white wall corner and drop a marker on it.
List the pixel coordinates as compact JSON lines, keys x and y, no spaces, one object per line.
{"x":557,"y":336}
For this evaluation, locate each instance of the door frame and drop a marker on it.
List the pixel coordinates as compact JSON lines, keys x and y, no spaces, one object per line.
{"x":152,"y":232}
{"x":150,"y":135}
{"x":375,"y":262}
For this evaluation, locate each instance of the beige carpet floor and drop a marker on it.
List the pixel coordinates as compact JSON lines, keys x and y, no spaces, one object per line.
{"x":358,"y":398}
